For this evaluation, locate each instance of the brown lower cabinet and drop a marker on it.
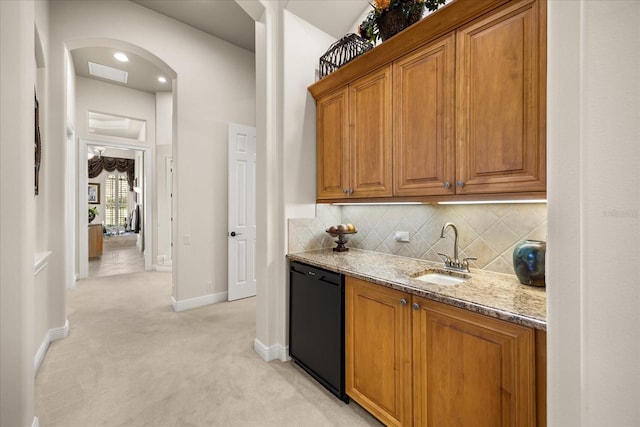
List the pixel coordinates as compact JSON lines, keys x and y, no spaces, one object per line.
{"x":414,"y":361}
{"x":95,"y":241}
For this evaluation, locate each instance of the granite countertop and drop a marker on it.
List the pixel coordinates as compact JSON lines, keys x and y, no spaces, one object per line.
{"x":493,"y":294}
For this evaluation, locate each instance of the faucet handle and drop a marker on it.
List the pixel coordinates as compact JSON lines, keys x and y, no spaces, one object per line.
{"x":465,"y":261}
{"x":445,"y":258}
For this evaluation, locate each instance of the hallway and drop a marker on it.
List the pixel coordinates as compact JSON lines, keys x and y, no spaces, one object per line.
{"x":119,"y":256}
{"x":129,"y":360}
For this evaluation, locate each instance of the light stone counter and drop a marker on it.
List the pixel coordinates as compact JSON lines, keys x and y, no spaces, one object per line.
{"x":492,"y":294}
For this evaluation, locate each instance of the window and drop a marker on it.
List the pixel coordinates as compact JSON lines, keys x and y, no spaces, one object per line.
{"x":116,"y":203}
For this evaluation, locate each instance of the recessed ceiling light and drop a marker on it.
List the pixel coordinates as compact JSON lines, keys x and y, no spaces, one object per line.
{"x":162,"y":79}
{"x":121,"y":57}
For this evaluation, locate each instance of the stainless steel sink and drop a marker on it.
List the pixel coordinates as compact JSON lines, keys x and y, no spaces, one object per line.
{"x":441,"y":277}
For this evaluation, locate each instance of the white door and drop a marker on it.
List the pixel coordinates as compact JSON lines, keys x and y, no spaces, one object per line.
{"x":242,"y":211}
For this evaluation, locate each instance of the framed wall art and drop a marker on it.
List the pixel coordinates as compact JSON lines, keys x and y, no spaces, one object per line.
{"x":37,"y":146}
{"x":94,"y":193}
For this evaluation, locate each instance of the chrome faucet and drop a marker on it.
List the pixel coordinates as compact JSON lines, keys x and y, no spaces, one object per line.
{"x":454,"y":264}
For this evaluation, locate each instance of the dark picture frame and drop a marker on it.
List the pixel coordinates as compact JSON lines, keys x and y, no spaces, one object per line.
{"x":93,"y":193}
{"x":37,"y":146}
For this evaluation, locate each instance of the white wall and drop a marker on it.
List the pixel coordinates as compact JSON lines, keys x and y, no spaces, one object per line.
{"x":70,"y":191}
{"x":43,"y":309}
{"x":215,"y":85}
{"x":303,"y":46}
{"x":594,"y":212}
{"x":286,"y":158}
{"x":162,"y":211}
{"x":41,"y":86}
{"x":102,"y":97}
{"x":269,"y":245}
{"x":17,"y":228}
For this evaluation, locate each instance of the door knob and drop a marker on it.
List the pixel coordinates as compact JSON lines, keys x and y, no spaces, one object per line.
{"x":234,"y":234}
{"x":416,"y":306}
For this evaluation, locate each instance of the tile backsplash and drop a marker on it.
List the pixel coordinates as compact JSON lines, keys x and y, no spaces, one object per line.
{"x":486,"y":231}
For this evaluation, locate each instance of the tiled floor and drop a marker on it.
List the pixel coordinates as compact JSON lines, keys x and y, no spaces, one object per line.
{"x":118,"y":257}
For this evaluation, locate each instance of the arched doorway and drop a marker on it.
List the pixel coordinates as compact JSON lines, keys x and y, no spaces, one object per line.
{"x":95,"y":96}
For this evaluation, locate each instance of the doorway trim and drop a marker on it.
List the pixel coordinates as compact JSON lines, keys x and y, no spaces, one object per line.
{"x":83,"y":221}
{"x":70,"y":203}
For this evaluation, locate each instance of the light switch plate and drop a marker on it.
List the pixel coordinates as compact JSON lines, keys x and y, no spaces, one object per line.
{"x":402,"y":236}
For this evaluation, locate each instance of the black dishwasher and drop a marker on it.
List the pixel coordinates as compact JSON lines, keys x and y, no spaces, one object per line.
{"x":316,"y":324}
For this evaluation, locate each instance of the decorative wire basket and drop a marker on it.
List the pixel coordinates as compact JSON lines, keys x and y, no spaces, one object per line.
{"x":341,"y":52}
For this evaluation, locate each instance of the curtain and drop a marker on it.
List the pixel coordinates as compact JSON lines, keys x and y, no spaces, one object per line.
{"x":97,"y":164}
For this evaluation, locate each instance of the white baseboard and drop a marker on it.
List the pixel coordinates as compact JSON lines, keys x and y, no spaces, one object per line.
{"x":188,"y":304}
{"x":35,"y":422}
{"x":51,"y":335}
{"x":276,"y":351}
{"x":163,"y":268}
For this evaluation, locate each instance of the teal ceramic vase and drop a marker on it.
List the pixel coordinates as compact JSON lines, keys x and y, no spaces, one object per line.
{"x":528,"y":262}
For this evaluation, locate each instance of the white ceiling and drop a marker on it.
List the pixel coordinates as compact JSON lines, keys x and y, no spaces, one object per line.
{"x":143,"y":75}
{"x":224,"y":19}
{"x":221,"y":18}
{"x":334,"y":17}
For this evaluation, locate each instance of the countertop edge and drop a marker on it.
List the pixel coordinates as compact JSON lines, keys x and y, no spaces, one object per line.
{"x":496,"y":313}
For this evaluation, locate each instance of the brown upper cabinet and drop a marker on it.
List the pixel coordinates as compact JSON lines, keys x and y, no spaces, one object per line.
{"x":354,"y":139}
{"x":423,"y":108}
{"x":500,"y":102}
{"x":332,"y":148}
{"x":465,"y":89}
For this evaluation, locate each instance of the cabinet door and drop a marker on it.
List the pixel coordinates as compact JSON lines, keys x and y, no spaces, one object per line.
{"x":500,"y":92}
{"x":370,"y":137}
{"x":423,"y":117}
{"x":95,"y":241}
{"x":378,"y":359}
{"x":471,"y":370}
{"x":332,"y":145}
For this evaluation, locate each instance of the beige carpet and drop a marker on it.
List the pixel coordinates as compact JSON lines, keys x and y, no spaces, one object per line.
{"x":129,"y":360}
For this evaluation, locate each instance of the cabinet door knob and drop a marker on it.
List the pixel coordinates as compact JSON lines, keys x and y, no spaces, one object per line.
{"x":351,"y":191}
{"x":460,"y":184}
{"x":403,"y":301}
{"x":416,"y":306}
{"x":344,"y":190}
{"x":447,"y":184}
